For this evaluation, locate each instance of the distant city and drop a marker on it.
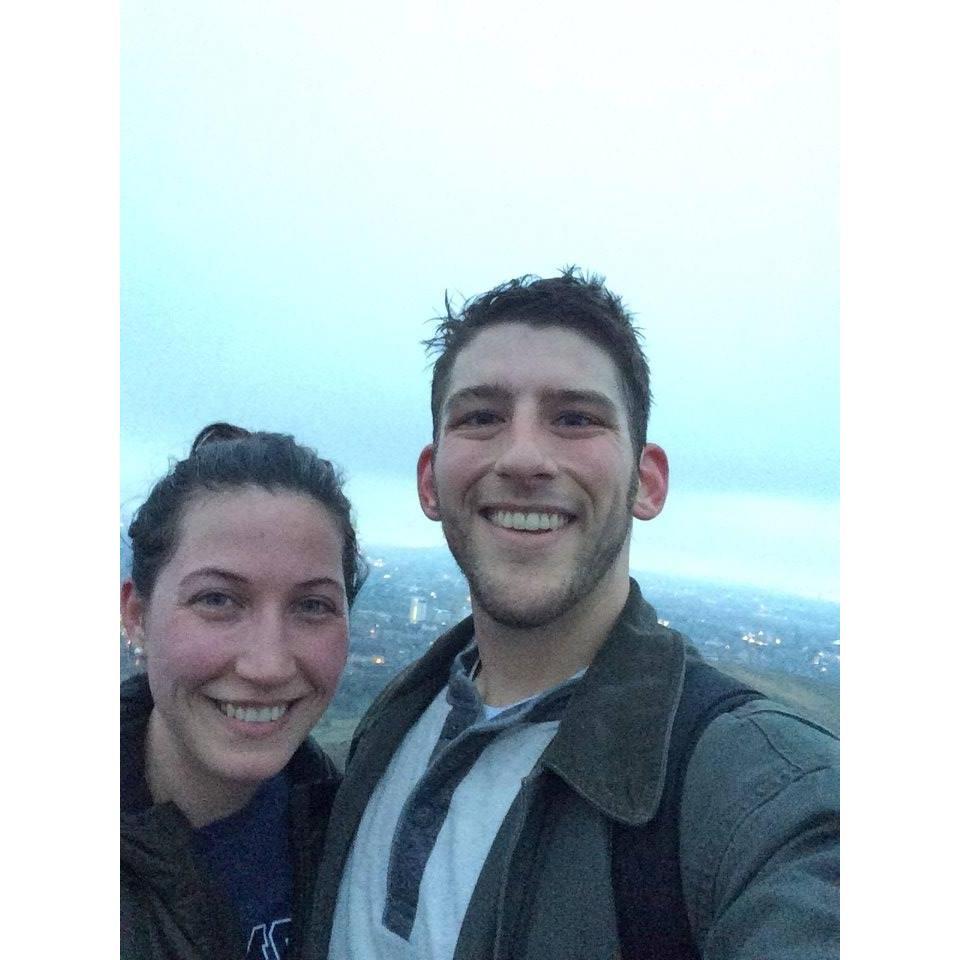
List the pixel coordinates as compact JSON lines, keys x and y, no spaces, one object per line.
{"x":786,"y":645}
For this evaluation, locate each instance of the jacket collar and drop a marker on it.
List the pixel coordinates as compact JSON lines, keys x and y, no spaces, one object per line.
{"x":611,"y":747}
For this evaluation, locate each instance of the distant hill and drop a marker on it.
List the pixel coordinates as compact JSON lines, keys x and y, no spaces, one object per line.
{"x":815,"y":700}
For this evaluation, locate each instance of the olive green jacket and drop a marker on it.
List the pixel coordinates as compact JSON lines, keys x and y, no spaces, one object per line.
{"x":759,"y":839}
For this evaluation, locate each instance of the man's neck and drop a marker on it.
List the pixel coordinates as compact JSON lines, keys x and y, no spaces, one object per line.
{"x":520,"y":662}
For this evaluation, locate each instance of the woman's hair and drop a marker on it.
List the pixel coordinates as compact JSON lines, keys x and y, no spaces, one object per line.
{"x":225,"y":457}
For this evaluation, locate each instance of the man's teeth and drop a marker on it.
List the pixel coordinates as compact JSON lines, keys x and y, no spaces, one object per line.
{"x":253,"y":714}
{"x":515,"y":520}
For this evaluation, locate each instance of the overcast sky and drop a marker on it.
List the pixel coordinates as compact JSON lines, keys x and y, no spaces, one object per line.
{"x":302,"y":181}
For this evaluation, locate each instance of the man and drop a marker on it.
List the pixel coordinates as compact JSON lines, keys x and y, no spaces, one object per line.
{"x":536,"y":786}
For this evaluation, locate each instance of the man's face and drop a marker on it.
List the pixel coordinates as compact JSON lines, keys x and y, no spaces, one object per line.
{"x":533,"y":474}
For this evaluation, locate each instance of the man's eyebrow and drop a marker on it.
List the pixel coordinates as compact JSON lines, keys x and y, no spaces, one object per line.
{"x":592,"y":397}
{"x":498,"y":393}
{"x":483,"y":391}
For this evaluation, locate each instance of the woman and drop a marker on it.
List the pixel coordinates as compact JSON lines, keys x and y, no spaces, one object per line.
{"x":245,"y":563}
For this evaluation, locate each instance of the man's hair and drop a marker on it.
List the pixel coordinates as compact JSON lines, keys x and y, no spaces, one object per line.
{"x":576,"y":301}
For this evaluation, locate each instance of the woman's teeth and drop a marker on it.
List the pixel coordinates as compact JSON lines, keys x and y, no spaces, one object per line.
{"x":253,"y":714}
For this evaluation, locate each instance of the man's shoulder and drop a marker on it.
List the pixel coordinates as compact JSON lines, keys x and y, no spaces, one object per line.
{"x":764,"y":738}
{"x":759,"y":825}
{"x":755,"y":754}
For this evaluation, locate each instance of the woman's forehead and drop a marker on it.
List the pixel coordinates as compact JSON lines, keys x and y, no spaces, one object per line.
{"x":259,"y":522}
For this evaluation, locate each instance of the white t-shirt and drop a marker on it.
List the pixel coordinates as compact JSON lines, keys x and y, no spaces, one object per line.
{"x":470,"y":821}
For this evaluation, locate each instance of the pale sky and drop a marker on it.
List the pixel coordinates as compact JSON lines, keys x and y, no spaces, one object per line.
{"x":301,"y":182}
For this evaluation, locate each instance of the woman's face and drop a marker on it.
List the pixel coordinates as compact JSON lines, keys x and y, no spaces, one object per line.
{"x":245,"y":637}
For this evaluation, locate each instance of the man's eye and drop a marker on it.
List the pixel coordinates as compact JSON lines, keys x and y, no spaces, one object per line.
{"x":477,"y":418}
{"x":573,"y":418}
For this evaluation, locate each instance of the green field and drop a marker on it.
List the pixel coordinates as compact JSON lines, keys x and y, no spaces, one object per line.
{"x":817,"y":701}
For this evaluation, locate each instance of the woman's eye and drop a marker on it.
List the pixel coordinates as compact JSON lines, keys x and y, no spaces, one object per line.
{"x":317,"y":606}
{"x":214,"y":600}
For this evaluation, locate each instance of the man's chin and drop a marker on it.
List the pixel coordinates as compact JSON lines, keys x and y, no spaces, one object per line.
{"x":524,"y":610}
{"x":522,"y":619}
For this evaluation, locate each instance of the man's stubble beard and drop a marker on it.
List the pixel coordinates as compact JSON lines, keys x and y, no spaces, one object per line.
{"x":588,"y":569}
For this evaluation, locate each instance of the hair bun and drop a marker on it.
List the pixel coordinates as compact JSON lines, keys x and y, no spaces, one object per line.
{"x":217,"y":433}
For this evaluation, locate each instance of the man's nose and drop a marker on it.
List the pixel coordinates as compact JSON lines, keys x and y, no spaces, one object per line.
{"x":527,"y":453}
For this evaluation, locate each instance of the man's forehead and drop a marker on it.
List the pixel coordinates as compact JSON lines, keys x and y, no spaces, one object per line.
{"x":511,"y":358}
{"x":546,"y":350}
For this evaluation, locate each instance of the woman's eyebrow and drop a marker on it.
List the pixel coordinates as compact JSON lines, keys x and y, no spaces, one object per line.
{"x":237,"y":578}
{"x":322,"y":582}
{"x":213,"y":572}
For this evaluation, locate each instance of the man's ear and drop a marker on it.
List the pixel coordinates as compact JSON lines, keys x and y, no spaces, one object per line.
{"x":654,"y":478}
{"x":426,"y":488}
{"x":132,"y":611}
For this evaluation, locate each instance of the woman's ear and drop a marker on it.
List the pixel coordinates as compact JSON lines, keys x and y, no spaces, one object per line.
{"x":132,"y":610}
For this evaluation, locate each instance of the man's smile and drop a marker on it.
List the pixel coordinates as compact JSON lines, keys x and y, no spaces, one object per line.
{"x":530,"y":521}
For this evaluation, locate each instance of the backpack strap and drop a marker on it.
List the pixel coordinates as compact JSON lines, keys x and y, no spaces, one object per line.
{"x":652,"y":917}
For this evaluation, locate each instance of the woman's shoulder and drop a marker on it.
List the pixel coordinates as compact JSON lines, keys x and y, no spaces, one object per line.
{"x":314,"y":782}
{"x":312,"y":765}
{"x":135,"y":694}
{"x":135,"y":706}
